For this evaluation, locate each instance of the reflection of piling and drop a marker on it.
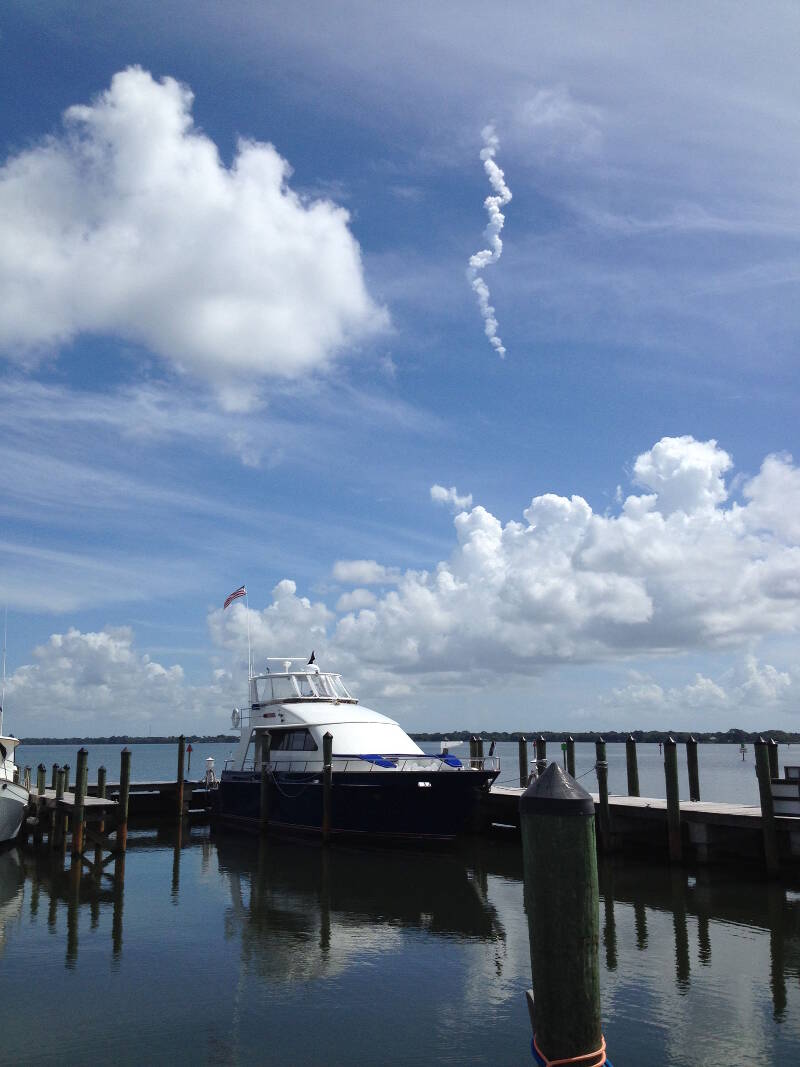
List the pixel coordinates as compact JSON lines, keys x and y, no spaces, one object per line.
{"x":266,"y":752}
{"x":604,"y":813}
{"x":632,"y":766}
{"x":640,"y":922}
{"x":561,"y":900}
{"x":703,"y":939}
{"x":606,"y":878}
{"x":122,"y":800}
{"x":768,"y":830}
{"x":777,"y":954}
{"x":772,"y":750}
{"x":673,"y":800}
{"x":327,"y":784}
{"x":179,"y":779}
{"x":523,"y":762}
{"x":682,"y":966}
{"x":692,"y":767}
{"x":571,"y":756}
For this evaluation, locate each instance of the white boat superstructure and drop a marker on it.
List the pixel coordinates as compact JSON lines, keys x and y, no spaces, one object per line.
{"x":13,"y":796}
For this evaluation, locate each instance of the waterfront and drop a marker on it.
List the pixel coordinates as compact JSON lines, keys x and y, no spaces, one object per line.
{"x":227,"y":949}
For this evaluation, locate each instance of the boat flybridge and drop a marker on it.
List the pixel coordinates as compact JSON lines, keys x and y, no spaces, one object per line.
{"x":382,"y":783}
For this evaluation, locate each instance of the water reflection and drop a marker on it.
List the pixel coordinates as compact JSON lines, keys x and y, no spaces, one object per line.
{"x":303,"y":911}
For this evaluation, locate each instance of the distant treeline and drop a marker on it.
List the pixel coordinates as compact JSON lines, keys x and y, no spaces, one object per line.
{"x":126,"y":739}
{"x":733,"y":736}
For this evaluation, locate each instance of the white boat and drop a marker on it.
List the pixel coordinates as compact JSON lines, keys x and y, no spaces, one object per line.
{"x":383,"y":784}
{"x":13,"y":796}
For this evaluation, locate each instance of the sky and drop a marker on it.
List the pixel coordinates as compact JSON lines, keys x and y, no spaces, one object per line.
{"x":465,"y":336}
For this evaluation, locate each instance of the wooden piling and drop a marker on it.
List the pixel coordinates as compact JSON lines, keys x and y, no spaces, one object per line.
{"x":561,"y":901}
{"x":327,"y":784}
{"x":54,"y":776}
{"x":122,"y":802}
{"x":571,"y":756}
{"x":479,"y":751}
{"x":101,"y":782}
{"x":771,"y":855}
{"x":57,"y":822}
{"x":694,"y":772}
{"x":772,"y":750}
{"x":79,"y":811}
{"x":523,"y":762}
{"x":179,"y":779}
{"x":27,"y":778}
{"x":673,"y":800}
{"x":473,"y":747}
{"x":632,"y":766}
{"x":266,"y":746}
{"x":41,"y":779}
{"x":66,"y":777}
{"x":16,"y":775}
{"x":541,"y":754}
{"x":604,"y":835}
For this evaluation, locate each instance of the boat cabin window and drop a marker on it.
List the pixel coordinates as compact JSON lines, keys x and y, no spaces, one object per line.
{"x":276,"y":688}
{"x":338,"y":687}
{"x":324,"y":686}
{"x":292,"y":740}
{"x":306,"y":689}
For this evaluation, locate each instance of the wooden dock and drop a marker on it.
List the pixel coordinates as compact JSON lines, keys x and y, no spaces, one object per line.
{"x":710,"y":831}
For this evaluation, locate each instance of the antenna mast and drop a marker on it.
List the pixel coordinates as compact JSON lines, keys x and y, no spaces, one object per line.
{"x":3,"y":697}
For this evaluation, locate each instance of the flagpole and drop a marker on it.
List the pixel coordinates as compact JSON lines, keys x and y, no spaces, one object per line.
{"x":249,"y":653}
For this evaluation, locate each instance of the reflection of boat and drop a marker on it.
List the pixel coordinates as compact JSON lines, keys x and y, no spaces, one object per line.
{"x":383,"y":784}
{"x":12,"y":886}
{"x":305,"y":912}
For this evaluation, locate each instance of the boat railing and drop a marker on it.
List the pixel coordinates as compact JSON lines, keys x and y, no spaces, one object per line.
{"x":374,"y":764}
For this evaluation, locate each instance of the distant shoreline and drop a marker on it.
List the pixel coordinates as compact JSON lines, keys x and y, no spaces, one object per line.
{"x":728,"y":737}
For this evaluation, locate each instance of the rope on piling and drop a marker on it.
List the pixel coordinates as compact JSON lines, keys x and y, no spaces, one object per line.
{"x":597,"y":1058}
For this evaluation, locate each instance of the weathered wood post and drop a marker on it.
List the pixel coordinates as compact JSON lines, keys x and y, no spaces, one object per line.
{"x":66,"y":778}
{"x":327,"y":784}
{"x":694,"y":771}
{"x":632,"y":766}
{"x":57,"y":824}
{"x":479,"y":751}
{"x":27,"y":778}
{"x":266,"y":751}
{"x":473,"y":747}
{"x":101,"y":782}
{"x":16,"y":774}
{"x":179,"y":779}
{"x":122,"y":802}
{"x":79,"y":810}
{"x":54,"y":776}
{"x":604,"y":812}
{"x":523,"y":761}
{"x":541,"y":754}
{"x":41,"y":779}
{"x":561,"y":901}
{"x":772,"y":749}
{"x":571,"y":756}
{"x":101,"y":826}
{"x":673,"y":800}
{"x":771,"y":855}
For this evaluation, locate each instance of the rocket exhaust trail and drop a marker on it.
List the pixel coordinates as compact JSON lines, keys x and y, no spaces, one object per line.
{"x":477,"y":262}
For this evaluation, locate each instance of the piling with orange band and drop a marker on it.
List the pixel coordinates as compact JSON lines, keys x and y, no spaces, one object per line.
{"x":561,"y":900}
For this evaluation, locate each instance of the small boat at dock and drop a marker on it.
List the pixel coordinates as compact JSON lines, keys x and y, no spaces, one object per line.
{"x":382,"y":784}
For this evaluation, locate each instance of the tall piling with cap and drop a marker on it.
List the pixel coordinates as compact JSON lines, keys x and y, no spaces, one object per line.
{"x":78,"y":811}
{"x":122,"y":800}
{"x":693,"y":769}
{"x":54,"y":776}
{"x":561,"y":900}
{"x":604,"y":811}
{"x":541,"y":754}
{"x":179,"y":777}
{"x":327,"y":784}
{"x":523,"y":761}
{"x":768,"y":829}
{"x":673,"y":800}
{"x":479,"y":751}
{"x":571,"y":756}
{"x":632,"y":765}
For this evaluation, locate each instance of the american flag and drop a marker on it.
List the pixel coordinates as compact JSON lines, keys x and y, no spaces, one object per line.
{"x":241,"y":591}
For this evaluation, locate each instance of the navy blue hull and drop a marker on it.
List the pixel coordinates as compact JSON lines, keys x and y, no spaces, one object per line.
{"x":389,"y":804}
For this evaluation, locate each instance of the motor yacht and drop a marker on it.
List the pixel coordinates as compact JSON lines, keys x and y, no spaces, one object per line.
{"x":383,"y":784}
{"x":13,"y":795}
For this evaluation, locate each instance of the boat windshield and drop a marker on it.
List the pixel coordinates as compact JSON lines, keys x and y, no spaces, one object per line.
{"x":309,"y":686}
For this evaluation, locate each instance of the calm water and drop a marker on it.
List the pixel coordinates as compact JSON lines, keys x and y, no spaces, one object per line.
{"x":230,"y":950}
{"x":723,"y":774}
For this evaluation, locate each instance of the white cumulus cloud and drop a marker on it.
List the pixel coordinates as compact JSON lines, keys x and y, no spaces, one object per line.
{"x":451,"y":497}
{"x":363,"y":572}
{"x":128,"y":223}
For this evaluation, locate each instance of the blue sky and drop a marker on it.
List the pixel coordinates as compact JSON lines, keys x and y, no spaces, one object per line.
{"x":239,"y":344}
